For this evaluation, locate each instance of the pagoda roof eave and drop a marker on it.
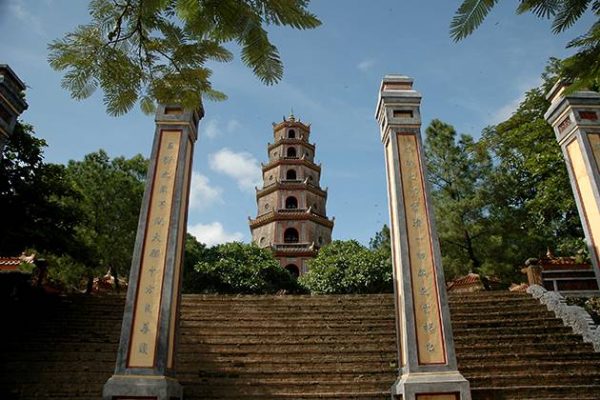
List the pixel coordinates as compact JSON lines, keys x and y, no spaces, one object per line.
{"x":290,"y":186}
{"x":288,"y":216}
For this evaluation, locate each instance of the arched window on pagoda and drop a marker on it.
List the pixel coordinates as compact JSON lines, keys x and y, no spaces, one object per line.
{"x":291,"y":236}
{"x":291,"y":152}
{"x":291,"y":202}
{"x":290,"y":175}
{"x":291,"y":134}
{"x":293,"y":270}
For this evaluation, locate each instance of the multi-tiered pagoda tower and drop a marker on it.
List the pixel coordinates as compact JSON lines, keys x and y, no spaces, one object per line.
{"x":291,"y":219}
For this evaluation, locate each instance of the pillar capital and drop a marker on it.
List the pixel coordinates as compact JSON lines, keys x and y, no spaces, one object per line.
{"x":398,"y":105}
{"x":12,"y":102}
{"x":173,"y":116}
{"x":571,"y":111}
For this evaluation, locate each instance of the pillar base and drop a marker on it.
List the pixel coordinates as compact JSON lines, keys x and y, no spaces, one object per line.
{"x":431,"y":386}
{"x":142,"y":386}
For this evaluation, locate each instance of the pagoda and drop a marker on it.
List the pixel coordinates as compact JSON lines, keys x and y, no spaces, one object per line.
{"x":291,"y":218}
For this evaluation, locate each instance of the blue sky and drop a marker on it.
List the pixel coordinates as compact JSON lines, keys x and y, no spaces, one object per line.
{"x":331,"y":80}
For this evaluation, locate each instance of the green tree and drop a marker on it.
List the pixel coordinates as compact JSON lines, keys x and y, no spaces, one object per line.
{"x":157,"y":50}
{"x":239,"y":268}
{"x":459,"y":171}
{"x":532,"y":198}
{"x":109,"y":197}
{"x":382,"y":239}
{"x":583,"y":69}
{"x":195,"y":252}
{"x":32,"y":195}
{"x":348,"y":267}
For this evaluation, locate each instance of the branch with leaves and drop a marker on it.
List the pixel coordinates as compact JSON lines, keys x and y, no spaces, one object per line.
{"x":156,"y":50}
{"x":582,"y":69}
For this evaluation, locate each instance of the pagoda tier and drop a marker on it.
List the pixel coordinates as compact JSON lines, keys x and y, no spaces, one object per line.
{"x":291,"y":218}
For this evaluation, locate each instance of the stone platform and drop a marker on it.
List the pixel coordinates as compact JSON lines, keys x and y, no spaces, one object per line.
{"x":294,"y":347}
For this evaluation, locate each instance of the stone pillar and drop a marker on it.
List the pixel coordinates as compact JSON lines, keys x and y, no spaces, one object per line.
{"x":146,"y":357}
{"x":576,"y":121}
{"x":12,"y":103}
{"x":424,"y":333}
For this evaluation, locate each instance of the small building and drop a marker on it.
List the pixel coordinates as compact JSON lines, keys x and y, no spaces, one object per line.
{"x":12,"y":102}
{"x":472,"y":283}
{"x":565,"y":275}
{"x":291,"y":218}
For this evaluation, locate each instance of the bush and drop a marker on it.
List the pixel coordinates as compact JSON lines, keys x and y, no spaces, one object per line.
{"x":349,"y":267}
{"x":238,"y":268}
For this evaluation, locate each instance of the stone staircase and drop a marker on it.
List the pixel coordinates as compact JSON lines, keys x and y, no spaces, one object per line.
{"x":294,"y":347}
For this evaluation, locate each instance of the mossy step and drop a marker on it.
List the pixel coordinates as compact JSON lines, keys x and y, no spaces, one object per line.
{"x":289,"y":340}
{"x":286,"y":348}
{"x":197,"y":328}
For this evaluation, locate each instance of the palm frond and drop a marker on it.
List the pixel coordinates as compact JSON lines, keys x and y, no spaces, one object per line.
{"x":541,"y":8}
{"x":469,"y":16}
{"x":569,"y":12}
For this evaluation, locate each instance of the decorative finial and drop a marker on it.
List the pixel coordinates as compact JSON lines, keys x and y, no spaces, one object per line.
{"x":292,"y":118}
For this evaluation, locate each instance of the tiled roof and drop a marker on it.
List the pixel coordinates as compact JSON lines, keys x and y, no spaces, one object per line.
{"x":9,"y":263}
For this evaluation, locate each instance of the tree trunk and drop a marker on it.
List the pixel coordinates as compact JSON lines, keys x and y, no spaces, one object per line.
{"x":90,"y":284}
{"x":115,"y":272}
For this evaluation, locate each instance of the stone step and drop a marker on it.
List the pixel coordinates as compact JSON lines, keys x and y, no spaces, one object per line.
{"x":548,"y":322}
{"x":288,"y":340}
{"x":275,"y":387}
{"x":502,"y":330}
{"x":490,"y":359}
{"x":192,"y":327}
{"x":287,"y":348}
{"x":516,"y":348}
{"x":537,"y":392}
{"x":518,"y":339}
{"x":532,"y":366}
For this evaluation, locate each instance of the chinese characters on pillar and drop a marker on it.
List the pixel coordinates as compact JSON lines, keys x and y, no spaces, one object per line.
{"x":423,"y":276}
{"x":146,"y":313}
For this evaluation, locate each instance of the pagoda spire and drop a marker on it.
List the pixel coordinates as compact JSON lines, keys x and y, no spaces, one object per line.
{"x":291,"y":217}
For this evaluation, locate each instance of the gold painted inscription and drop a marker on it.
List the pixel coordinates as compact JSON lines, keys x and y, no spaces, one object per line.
{"x":583,"y":181}
{"x":144,"y":332}
{"x":430,"y":341}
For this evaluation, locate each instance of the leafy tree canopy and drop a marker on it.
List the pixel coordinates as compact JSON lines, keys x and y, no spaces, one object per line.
{"x":109,"y":197}
{"x":32,"y":195}
{"x":583,"y":69}
{"x":157,"y":50}
{"x":239,"y":268}
{"x":459,"y":170}
{"x":348,"y":267}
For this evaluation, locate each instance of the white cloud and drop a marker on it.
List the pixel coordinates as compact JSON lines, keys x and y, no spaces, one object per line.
{"x":202,"y":194}
{"x":18,"y":9}
{"x":213,"y":233}
{"x":508,"y":109}
{"x":242,"y":167}
{"x":213,"y":128}
{"x":233,"y":125}
{"x":504,"y":112}
{"x":366,"y":65}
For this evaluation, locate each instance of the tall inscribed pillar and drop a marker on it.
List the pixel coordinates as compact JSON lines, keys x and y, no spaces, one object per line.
{"x":146,"y":356}
{"x":425,"y":342}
